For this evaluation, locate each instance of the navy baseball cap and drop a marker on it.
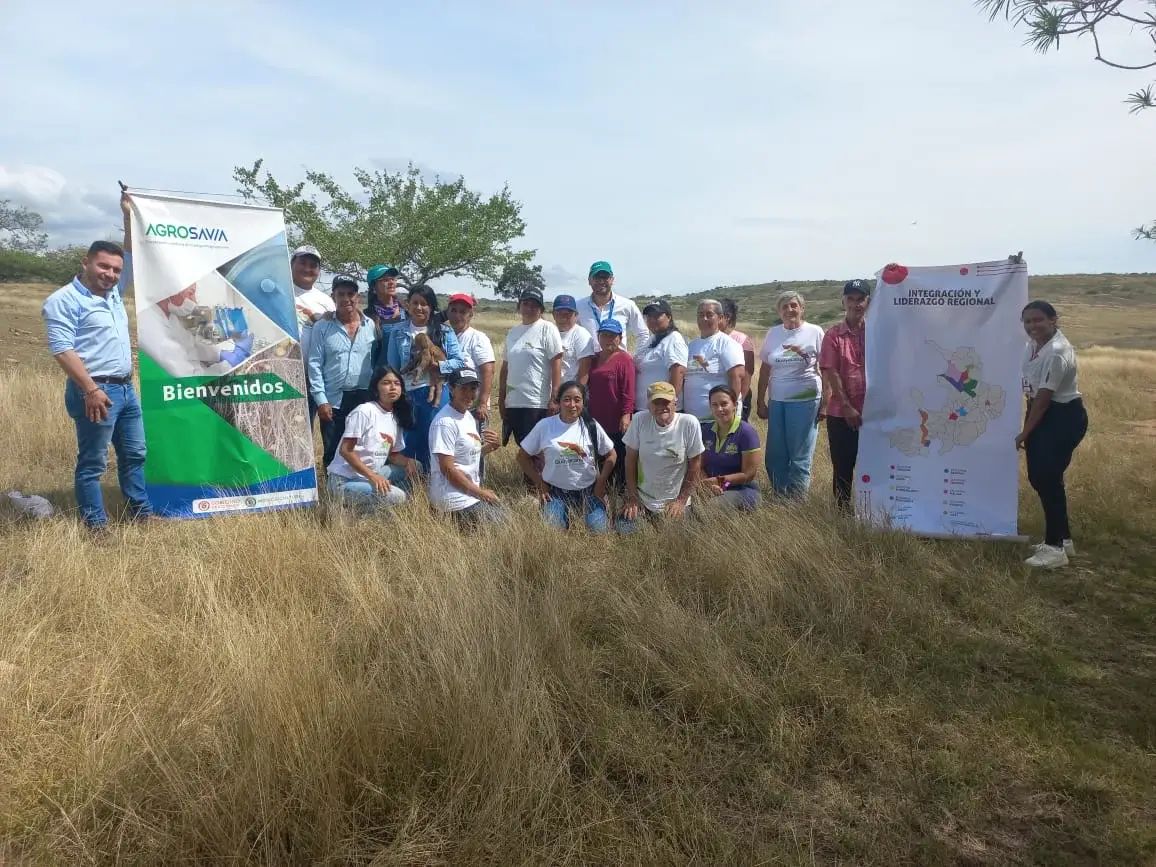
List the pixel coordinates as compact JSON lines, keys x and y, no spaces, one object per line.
{"x":612,"y":326}
{"x":565,"y":302}
{"x":532,"y":294}
{"x":856,"y":287}
{"x":465,"y":376}
{"x":657,"y":308}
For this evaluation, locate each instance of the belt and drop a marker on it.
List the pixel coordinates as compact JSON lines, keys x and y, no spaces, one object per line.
{"x":113,"y":380}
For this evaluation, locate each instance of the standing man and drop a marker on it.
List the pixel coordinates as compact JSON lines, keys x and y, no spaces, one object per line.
{"x":88,"y":335}
{"x":340,"y":364}
{"x":311,"y":303}
{"x":841,"y":362}
{"x":604,"y":304}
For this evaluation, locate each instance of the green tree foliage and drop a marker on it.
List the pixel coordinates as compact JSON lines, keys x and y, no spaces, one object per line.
{"x":427,"y":230}
{"x":48,"y":266}
{"x":1049,"y":21}
{"x":20,"y":228}
{"x":517,"y":277}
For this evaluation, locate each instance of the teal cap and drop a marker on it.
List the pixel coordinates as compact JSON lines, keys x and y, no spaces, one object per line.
{"x":379,"y":271}
{"x":601,"y":266}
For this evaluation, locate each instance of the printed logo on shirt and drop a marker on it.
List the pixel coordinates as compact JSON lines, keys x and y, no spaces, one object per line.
{"x":474,"y":436}
{"x":798,"y":351}
{"x":701,"y":363}
{"x":730,"y":449}
{"x":387,"y":440}
{"x":571,"y":450}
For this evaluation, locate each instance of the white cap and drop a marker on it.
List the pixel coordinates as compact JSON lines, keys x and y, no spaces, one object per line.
{"x":306,"y":250}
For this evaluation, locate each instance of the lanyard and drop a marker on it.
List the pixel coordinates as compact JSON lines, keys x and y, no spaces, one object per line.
{"x":598,"y":316}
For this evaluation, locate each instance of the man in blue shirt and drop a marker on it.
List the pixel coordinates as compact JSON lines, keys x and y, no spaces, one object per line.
{"x":340,"y":363}
{"x":88,"y":335}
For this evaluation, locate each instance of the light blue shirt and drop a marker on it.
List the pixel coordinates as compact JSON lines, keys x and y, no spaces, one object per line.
{"x":400,"y":342}
{"x":337,"y":363}
{"x":93,"y":327}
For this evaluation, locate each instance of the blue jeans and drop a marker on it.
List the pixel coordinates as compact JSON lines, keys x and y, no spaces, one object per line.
{"x":417,"y":440}
{"x":124,"y":430}
{"x":360,"y":494}
{"x":791,"y":436}
{"x":557,"y":512}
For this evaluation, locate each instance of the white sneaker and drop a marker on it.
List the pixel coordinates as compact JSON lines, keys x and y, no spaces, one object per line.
{"x":1048,"y":557}
{"x":1069,"y":547}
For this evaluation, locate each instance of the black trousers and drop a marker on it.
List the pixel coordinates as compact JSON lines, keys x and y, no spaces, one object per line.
{"x":331,"y":431}
{"x":746,"y":399}
{"x":1049,"y":452}
{"x":843,"y":443}
{"x":618,"y":475}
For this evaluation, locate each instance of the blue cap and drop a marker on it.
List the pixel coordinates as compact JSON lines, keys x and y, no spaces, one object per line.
{"x":565,"y":302}
{"x":601,"y":266}
{"x":611,"y":326}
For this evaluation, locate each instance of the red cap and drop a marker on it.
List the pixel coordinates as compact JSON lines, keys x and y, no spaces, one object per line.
{"x":464,"y":298}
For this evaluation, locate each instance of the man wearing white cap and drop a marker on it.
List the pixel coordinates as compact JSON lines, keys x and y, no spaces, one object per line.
{"x":311,"y":302}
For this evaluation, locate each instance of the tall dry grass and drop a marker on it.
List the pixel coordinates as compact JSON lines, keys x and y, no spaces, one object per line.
{"x":782,"y":688}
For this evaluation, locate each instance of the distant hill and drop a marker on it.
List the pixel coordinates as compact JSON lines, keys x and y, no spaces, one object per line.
{"x":757,"y":300}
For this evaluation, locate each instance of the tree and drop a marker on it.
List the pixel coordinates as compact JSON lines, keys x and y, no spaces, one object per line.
{"x":427,"y":230}
{"x":1049,"y":21}
{"x":519,"y":276}
{"x":21,"y":229}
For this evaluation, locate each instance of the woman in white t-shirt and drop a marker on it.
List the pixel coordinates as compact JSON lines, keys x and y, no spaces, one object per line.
{"x":577,"y":459}
{"x":369,"y":469}
{"x":790,"y":397}
{"x":1054,"y":426}
{"x":531,"y":371}
{"x":663,"y":358}
{"x":457,"y":448}
{"x":715,"y":359}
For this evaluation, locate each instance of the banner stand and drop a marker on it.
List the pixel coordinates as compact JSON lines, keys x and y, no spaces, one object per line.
{"x":223,"y":387}
{"x":937,"y":453}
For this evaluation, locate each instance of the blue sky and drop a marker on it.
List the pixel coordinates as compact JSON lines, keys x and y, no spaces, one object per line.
{"x":691,"y":144}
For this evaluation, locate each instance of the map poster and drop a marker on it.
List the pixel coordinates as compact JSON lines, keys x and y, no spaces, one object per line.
{"x":222,"y":381}
{"x":944,"y":400}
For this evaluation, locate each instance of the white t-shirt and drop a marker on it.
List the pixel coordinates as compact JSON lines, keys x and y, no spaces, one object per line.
{"x":710,"y":359}
{"x":576,"y":345}
{"x":476,"y":348}
{"x":378,"y":436}
{"x":529,"y":350}
{"x":793,"y":355}
{"x":653,"y":365}
{"x":662,"y":454}
{"x":309,"y":302}
{"x":453,"y":433}
{"x":1052,"y":367}
{"x":568,"y":451}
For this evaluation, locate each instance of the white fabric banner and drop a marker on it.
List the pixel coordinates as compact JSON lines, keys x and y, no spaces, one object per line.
{"x":937,"y":449}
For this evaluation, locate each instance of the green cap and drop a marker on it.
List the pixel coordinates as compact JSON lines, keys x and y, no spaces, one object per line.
{"x":601,"y":266}
{"x":379,"y":271}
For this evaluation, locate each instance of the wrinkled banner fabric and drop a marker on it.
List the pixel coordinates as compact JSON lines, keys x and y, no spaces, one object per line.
{"x":944,"y":400}
{"x":221,"y":375}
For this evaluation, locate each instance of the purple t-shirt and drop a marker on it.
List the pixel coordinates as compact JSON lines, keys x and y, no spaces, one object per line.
{"x":724,"y":455}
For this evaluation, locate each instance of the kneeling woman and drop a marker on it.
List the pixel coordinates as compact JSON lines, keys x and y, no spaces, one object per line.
{"x":731,"y":459}
{"x":1055,"y":425}
{"x":579,"y":458}
{"x":369,"y":469}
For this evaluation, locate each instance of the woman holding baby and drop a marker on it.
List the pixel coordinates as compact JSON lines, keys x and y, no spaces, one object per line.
{"x":421,"y":364}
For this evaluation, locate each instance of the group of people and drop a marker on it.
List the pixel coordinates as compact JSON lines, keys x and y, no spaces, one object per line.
{"x":604,"y":398}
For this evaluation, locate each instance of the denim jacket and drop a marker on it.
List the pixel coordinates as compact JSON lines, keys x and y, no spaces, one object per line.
{"x":400,"y":340}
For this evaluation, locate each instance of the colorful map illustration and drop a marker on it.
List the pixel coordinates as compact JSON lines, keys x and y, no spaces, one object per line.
{"x":969,"y":404}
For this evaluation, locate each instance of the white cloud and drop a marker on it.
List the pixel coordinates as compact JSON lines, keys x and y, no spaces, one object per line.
{"x":72,"y":213}
{"x":707,"y":145}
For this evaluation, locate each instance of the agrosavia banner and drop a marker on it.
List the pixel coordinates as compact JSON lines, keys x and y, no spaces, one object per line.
{"x":222,"y":379}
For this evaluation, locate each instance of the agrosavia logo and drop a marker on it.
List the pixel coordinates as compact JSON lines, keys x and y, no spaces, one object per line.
{"x":186,"y":233}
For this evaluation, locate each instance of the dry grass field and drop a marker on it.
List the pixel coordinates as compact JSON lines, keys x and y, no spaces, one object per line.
{"x":778,"y":689}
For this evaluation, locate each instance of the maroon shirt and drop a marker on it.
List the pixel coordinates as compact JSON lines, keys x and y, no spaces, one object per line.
{"x":843,"y":353}
{"x":611,"y":389}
